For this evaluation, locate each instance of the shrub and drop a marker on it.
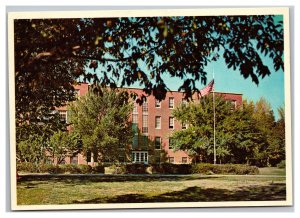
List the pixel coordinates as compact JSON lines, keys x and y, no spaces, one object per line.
{"x":85,"y":169}
{"x":136,"y":169}
{"x":237,"y":169}
{"x":26,"y":167}
{"x":55,"y":169}
{"x":45,"y":168}
{"x":169,"y":168}
{"x":115,"y":169}
{"x":281,"y":165}
{"x":98,"y":169}
{"x":69,"y":168}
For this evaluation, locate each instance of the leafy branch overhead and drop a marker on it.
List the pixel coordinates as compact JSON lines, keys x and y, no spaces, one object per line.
{"x":118,"y":48}
{"x":51,"y":54}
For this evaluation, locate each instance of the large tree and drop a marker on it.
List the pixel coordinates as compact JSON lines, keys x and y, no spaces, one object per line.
{"x":102,"y":122}
{"x":236,"y":133}
{"x":272,"y":150}
{"x":51,"y":54}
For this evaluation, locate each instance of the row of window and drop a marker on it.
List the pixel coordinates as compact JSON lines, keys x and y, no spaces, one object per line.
{"x":171,"y":123}
{"x":172,"y":160}
{"x":137,"y":157}
{"x":171,"y":103}
{"x":158,"y":142}
{"x":157,"y":122}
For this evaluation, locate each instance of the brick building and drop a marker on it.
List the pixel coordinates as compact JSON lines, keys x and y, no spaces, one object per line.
{"x":153,"y":125}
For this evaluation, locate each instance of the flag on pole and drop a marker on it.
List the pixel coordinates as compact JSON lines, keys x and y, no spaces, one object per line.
{"x":207,"y":89}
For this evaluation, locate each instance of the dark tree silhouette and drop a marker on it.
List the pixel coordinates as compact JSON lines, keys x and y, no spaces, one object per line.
{"x":52,"y":54}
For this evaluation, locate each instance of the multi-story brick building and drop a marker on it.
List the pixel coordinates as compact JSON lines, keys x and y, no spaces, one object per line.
{"x":153,"y":124}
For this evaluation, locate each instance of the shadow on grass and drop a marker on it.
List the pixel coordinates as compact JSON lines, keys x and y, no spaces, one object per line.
{"x":85,"y":179}
{"x":272,"y":192}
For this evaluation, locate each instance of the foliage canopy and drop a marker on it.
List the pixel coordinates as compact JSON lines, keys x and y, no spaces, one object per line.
{"x":52,"y":54}
{"x":102,"y":122}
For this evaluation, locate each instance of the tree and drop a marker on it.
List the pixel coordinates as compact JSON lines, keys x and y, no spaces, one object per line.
{"x":236,"y":134}
{"x":278,"y":153}
{"x":32,"y":150}
{"x":273,"y":130}
{"x":52,"y":54}
{"x":265,"y":122}
{"x":101,"y":120}
{"x":63,"y":144}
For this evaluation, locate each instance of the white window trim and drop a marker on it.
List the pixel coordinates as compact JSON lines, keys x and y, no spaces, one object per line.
{"x":173,"y":102}
{"x":159,"y":127}
{"x":66,"y":113}
{"x":159,"y":143}
{"x":172,"y":118}
{"x":145,"y":154}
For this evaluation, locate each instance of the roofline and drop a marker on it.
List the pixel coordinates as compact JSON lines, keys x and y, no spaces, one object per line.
{"x":131,"y":88}
{"x":232,"y":93}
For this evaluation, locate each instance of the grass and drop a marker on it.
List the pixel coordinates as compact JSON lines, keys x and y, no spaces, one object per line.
{"x":75,"y":189}
{"x":272,"y":171}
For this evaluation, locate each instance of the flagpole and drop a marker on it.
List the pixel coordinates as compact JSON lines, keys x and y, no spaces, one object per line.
{"x":214,"y":108}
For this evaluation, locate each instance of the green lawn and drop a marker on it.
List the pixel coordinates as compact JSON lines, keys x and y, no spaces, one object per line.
{"x":272,"y":171}
{"x":70,"y":189}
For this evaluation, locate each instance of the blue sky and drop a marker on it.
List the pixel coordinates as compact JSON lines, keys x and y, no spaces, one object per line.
{"x":228,"y":80}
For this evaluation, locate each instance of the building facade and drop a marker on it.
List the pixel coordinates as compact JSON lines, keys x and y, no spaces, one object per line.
{"x":153,"y":124}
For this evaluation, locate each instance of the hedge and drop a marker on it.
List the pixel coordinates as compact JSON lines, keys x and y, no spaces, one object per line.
{"x":59,"y":169}
{"x":169,"y":168}
{"x":163,"y":168}
{"x":236,"y":169}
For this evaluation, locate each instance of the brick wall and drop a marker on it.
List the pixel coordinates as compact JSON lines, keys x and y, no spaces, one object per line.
{"x":164,"y":132}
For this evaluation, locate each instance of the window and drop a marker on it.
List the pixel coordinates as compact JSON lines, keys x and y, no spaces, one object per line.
{"x":157,"y":142}
{"x":171,"y":143}
{"x":233,"y":104}
{"x":145,"y":124}
{"x":171,"y":102}
{"x":171,"y":159}
{"x":74,"y":160}
{"x":63,"y":116}
{"x":157,"y":122}
{"x":184,"y":159}
{"x":135,"y":114}
{"x":135,"y":118}
{"x":184,"y":101}
{"x":145,"y":117}
{"x":146,"y":157}
{"x":144,"y":141}
{"x":140,"y":157}
{"x":157,"y":103}
{"x":171,"y":122}
{"x":135,"y":108}
{"x":145,"y":106}
{"x":184,"y":125}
